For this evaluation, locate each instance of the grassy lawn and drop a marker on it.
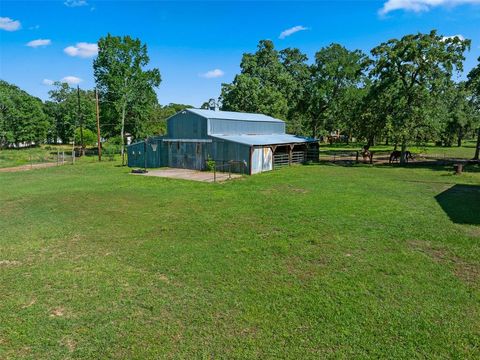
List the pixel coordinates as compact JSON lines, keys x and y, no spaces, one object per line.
{"x":466,"y":151}
{"x":33,"y":155}
{"x":42,"y":154}
{"x":305,"y":262}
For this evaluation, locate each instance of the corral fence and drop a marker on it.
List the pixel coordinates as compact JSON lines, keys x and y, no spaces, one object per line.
{"x":223,"y":170}
{"x":383,"y":157}
{"x":107,"y":154}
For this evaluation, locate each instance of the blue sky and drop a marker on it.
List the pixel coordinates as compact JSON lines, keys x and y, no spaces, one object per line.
{"x":198,"y":45}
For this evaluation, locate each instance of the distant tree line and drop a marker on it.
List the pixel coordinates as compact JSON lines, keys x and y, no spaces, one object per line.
{"x":403,"y":92}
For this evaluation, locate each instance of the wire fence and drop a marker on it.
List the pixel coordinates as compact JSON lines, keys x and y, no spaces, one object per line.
{"x":223,"y":170}
{"x":25,"y":159}
{"x":382,"y":157}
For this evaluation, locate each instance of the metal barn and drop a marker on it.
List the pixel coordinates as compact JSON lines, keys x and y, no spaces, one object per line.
{"x":248,"y":143}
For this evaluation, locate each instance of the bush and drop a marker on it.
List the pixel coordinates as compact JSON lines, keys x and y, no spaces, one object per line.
{"x":112,"y":145}
{"x":210,"y":164}
{"x":89,"y":137}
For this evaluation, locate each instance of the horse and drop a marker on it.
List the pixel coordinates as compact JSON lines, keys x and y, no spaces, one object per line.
{"x":396,"y":155}
{"x":366,"y":154}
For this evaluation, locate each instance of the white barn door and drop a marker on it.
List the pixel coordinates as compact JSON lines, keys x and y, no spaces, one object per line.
{"x":262,"y":160}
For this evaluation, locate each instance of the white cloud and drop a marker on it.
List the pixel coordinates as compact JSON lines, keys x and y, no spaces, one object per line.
{"x":215,"y":73}
{"x":75,"y":3}
{"x":461,"y":37}
{"x":421,"y":5}
{"x":9,"y":24}
{"x":39,"y":42}
{"x":291,"y":31}
{"x":47,"y":82}
{"x":36,"y":27}
{"x":82,"y":49}
{"x":71,"y":80}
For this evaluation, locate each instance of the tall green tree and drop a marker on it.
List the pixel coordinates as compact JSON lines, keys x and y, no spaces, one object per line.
{"x":414,"y":70}
{"x":474,"y":85}
{"x":126,"y":87}
{"x":22,"y":119}
{"x":64,"y":112}
{"x":458,"y":116}
{"x":334,"y":90}
{"x":270,"y":82}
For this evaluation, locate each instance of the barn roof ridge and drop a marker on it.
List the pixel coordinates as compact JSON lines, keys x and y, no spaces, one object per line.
{"x":233,"y":115}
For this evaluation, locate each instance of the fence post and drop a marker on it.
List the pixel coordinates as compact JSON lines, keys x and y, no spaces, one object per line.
{"x":73,"y":157}
{"x":63,"y":157}
{"x":214,"y":173}
{"x":58,"y":156}
{"x":356,"y":157}
{"x":371,"y":157}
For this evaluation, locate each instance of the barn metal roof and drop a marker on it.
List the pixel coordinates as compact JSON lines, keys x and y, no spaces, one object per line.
{"x":231,"y":115}
{"x":274,"y":139}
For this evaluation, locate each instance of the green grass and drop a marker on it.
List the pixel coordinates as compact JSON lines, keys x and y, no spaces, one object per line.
{"x":43,"y":154}
{"x":33,"y":155}
{"x":305,"y":262}
{"x":466,"y":151}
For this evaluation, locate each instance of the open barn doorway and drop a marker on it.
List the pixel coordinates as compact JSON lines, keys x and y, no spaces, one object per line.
{"x":288,"y":154}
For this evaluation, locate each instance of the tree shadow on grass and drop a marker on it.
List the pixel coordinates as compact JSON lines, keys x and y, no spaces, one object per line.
{"x":461,"y":203}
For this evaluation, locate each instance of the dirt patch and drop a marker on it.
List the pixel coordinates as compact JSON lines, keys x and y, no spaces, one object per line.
{"x":57,"y":312}
{"x":164,"y":278}
{"x":187,"y":174}
{"x":9,"y":262}
{"x":467,"y":272}
{"x":474,"y":231}
{"x":69,"y":343}
{"x":28,"y":167}
{"x":32,"y":302}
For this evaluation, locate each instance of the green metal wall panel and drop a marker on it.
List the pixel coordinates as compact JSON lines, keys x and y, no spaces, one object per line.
{"x":186,"y":125}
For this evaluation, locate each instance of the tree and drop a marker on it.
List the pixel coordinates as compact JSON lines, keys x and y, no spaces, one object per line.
{"x":270,"y":82}
{"x":88,"y":136}
{"x":458,"y":115}
{"x":474,"y":85}
{"x":64,"y":113}
{"x":22,"y":119}
{"x":125,"y":87}
{"x":334,"y":90}
{"x":157,"y":124}
{"x":413,"y":71}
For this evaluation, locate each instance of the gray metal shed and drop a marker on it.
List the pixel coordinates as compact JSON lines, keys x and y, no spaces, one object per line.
{"x":250,"y":143}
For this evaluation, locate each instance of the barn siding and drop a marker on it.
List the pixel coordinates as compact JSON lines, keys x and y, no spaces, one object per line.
{"x":186,"y":125}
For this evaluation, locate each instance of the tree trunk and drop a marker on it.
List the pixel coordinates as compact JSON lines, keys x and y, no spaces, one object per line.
{"x":477,"y":150}
{"x":387,"y":141}
{"x":460,"y":137}
{"x":371,"y":141}
{"x":122,"y":133}
{"x":404,"y":149}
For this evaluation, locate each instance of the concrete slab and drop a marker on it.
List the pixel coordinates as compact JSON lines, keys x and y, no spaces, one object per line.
{"x":187,"y":174}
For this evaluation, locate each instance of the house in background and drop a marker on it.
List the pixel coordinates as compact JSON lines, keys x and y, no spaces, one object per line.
{"x":249,"y":143}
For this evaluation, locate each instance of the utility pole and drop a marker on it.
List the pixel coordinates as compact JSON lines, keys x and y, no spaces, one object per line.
{"x":80,"y":120}
{"x":98,"y":127}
